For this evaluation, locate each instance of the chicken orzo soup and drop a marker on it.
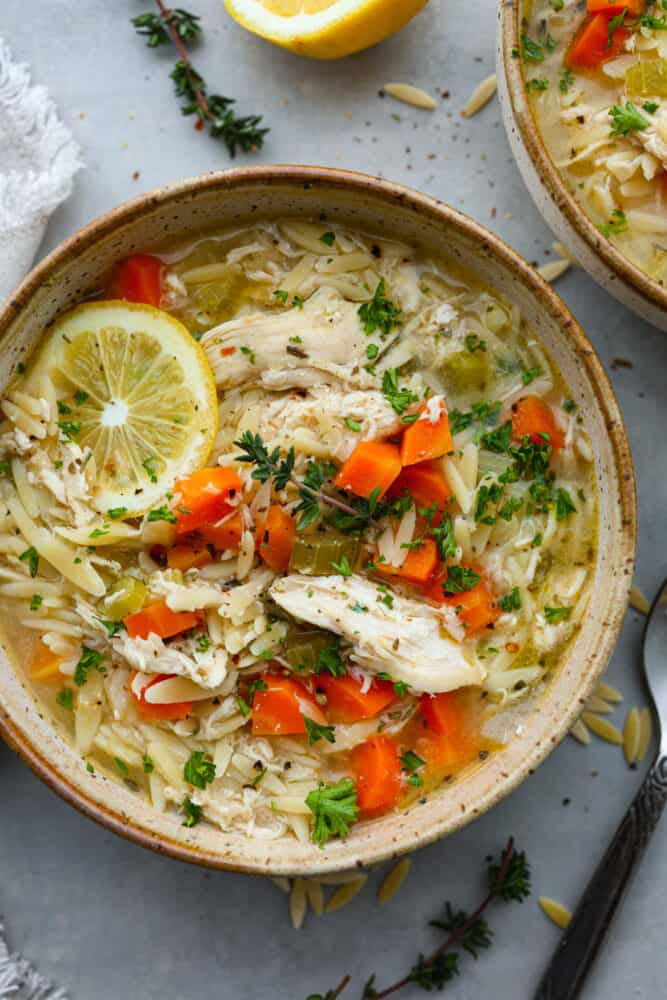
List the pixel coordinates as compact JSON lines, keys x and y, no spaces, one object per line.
{"x":597,"y":79}
{"x":288,"y":514}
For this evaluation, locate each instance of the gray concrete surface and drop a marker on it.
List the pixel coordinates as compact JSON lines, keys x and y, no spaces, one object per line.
{"x":111,"y":921}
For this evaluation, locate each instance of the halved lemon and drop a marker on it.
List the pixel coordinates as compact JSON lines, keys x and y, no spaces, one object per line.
{"x":136,"y":389}
{"x":324,"y":29}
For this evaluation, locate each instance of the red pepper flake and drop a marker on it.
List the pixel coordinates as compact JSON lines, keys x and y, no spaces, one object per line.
{"x":512,"y":647}
{"x":199,"y":124}
{"x":226,"y":351}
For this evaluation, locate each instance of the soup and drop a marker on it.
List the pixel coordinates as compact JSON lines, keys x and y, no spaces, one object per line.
{"x":597,"y":81}
{"x":289,"y":513}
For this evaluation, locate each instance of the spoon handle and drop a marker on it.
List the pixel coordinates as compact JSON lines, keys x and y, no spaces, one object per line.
{"x":579,"y":945}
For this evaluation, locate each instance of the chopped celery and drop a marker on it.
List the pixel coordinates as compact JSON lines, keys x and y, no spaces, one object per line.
{"x":126,"y":596}
{"x":220,"y":299}
{"x":647,"y":78}
{"x":465,"y":371}
{"x":316,"y":554}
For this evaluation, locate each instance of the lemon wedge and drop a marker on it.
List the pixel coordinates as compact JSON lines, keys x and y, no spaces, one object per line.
{"x":134,"y":388}
{"x":324,"y":29}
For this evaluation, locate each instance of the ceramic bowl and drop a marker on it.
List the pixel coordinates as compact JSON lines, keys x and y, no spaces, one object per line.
{"x":559,"y":209}
{"x":238,"y":197}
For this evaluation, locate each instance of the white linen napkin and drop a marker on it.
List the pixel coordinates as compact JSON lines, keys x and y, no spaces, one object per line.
{"x":38,"y":159}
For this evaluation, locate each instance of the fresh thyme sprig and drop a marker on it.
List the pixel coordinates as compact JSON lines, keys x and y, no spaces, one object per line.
{"x":179,"y":26}
{"x":508,"y":880}
{"x":330,"y":994}
{"x":280,"y":468}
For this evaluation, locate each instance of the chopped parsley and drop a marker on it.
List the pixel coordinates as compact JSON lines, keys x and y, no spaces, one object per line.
{"x":411,"y":763}
{"x":532,"y":51}
{"x":652,"y":22}
{"x":564,"y":504}
{"x":569,"y":405}
{"x":328,"y":239}
{"x":113,"y":628}
{"x":36,"y":602}
{"x":69,"y":428}
{"x":650,"y":106}
{"x":149,"y":465}
{"x":359,"y":608}
{"x":199,"y":769}
{"x":65,"y":698}
{"x":192,"y":812}
{"x":380,"y":313}
{"x":282,"y":296}
{"x":259,"y":777}
{"x":63,"y":408}
{"x":616,"y":225}
{"x":529,"y":375}
{"x":149,"y":766}
{"x":566,"y":80}
{"x":511,"y":601}
{"x":115,"y":513}
{"x":398,"y":399}
{"x":329,"y":661}
{"x":90,"y":660}
{"x":537,"y":84}
{"x":613,"y":25}
{"x":352,"y":425}
{"x":203,"y":643}
{"x":99,"y":532}
{"x":121,"y":765}
{"x":474,"y":343}
{"x":31,"y":557}
{"x":556,"y":615}
{"x":81,"y":397}
{"x":625,"y":120}
{"x":372,"y":351}
{"x":334,"y":808}
{"x":343,"y":567}
{"x":460,"y":579}
{"x":162,"y":514}
{"x":317,"y":732}
{"x":249,"y":353}
{"x":257,"y":685}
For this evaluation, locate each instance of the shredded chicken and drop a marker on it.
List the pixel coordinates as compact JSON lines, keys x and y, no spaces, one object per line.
{"x":405,"y":640}
{"x":152,"y":656}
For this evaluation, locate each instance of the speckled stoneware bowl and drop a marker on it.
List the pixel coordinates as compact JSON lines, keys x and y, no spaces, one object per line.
{"x":238,"y":197}
{"x":560,"y":210}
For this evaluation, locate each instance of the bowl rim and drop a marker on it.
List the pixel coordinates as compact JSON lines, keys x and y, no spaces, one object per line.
{"x":549,"y":175}
{"x":434,"y":210}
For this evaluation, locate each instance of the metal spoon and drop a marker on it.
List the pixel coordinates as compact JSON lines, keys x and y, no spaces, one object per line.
{"x":574,"y":956}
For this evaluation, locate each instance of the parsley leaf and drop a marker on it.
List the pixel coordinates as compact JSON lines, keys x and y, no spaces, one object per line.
{"x":511,"y":601}
{"x":343,"y":567}
{"x":32,"y":558}
{"x":328,"y":238}
{"x":460,"y":579}
{"x":411,"y":763}
{"x":90,"y":660}
{"x":199,"y":770}
{"x":555,"y":615}
{"x":65,"y":698}
{"x":564,"y":504}
{"x":566,"y":80}
{"x":317,"y":732}
{"x":380,"y":313}
{"x":36,"y":602}
{"x":616,"y":225}
{"x":192,"y":812}
{"x":398,"y":399}
{"x":334,"y":808}
{"x":162,"y":514}
{"x":329,"y":661}
{"x":614,"y":24}
{"x":626,"y":119}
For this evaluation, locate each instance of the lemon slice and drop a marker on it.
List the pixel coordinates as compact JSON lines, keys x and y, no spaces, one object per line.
{"x":137,"y":390}
{"x":324,"y":29}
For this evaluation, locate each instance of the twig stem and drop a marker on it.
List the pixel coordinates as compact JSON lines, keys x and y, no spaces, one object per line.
{"x":185,"y":58}
{"x":458,"y":934}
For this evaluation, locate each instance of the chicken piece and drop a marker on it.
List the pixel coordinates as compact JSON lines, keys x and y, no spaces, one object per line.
{"x":291,"y":348}
{"x":406,"y":640}
{"x":653,"y":139}
{"x":314,"y":422}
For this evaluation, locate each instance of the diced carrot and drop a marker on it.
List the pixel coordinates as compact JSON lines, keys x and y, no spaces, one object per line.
{"x":227,"y":351}
{"x":450,"y":737}
{"x":426,"y":484}
{"x":138,"y":279}
{"x":532,"y":417}
{"x":170,"y":712}
{"x":475,"y":607}
{"x":373,"y":465}
{"x":279,"y":707}
{"x":159,"y":619}
{"x":377,"y":771}
{"x":45,"y":667}
{"x":634,"y":7}
{"x":203,"y":498}
{"x":225,"y":535}
{"x":425,"y":439}
{"x":590,"y":47}
{"x":347,"y":703}
{"x":419,"y":566}
{"x":275,"y":537}
{"x":188,"y":556}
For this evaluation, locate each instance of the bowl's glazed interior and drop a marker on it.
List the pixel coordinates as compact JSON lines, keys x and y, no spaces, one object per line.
{"x":236,"y":198}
